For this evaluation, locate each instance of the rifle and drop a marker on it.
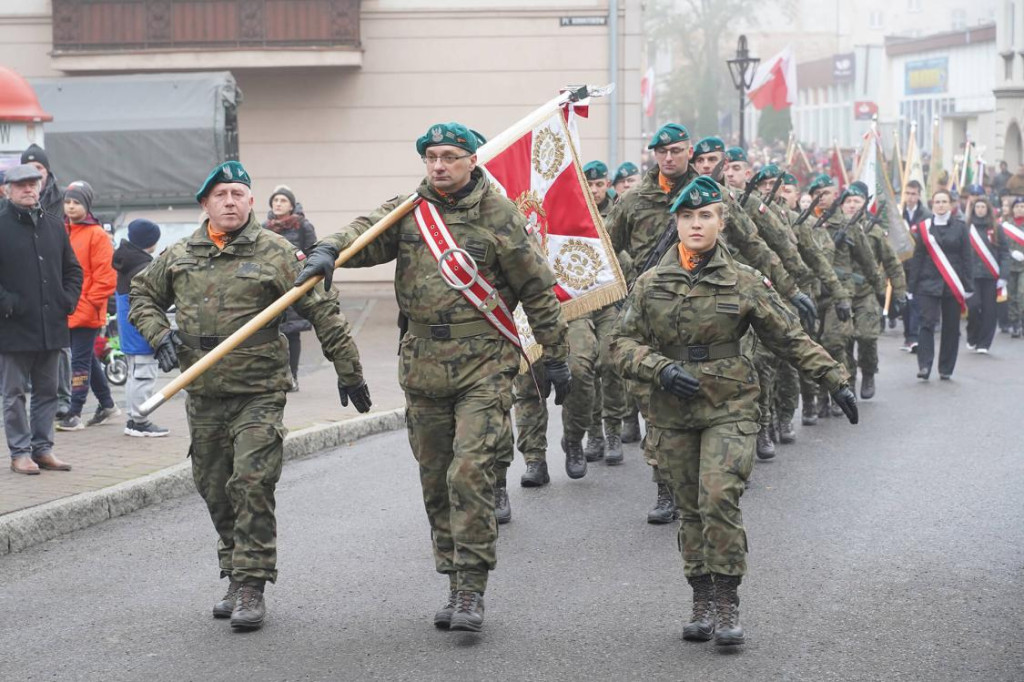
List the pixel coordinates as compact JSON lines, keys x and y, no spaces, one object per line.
{"x":746,"y":192}
{"x":806,"y":213}
{"x":840,"y":236}
{"x":716,"y":172}
{"x":775,"y":189}
{"x":877,"y":218}
{"x":829,"y":212}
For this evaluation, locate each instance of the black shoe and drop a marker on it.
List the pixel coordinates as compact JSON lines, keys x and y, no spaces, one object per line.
{"x":502,"y":507}
{"x":728,"y":631}
{"x":945,"y":377}
{"x":250,"y":610}
{"x":614,"y":450}
{"x":787,"y":434}
{"x":595,"y":448}
{"x":536,"y":475}
{"x":664,"y":510}
{"x":631,"y":430}
{"x":924,"y":373}
{"x":809,"y":415}
{"x":867,"y":387}
{"x":765,"y":446}
{"x":575,"y":460}
{"x":701,"y":627}
{"x":226,"y":606}
{"x":443,"y":618}
{"x":469,"y":612}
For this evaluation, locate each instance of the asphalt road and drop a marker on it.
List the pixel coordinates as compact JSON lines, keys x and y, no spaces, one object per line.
{"x":892,"y":550}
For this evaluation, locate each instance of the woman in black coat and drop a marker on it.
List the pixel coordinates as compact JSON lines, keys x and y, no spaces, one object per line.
{"x":937,"y":297}
{"x":287,"y":219}
{"x":988,"y":268}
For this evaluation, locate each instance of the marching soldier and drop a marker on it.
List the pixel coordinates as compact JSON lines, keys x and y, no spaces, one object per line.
{"x":464,"y":262}
{"x":627,"y":177}
{"x":680,"y":334}
{"x":221,"y":277}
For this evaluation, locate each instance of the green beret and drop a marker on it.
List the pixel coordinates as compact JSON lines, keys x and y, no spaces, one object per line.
{"x":789,"y":179}
{"x":480,"y":139}
{"x":626,"y":169}
{"x":229,"y":171}
{"x":454,"y":134}
{"x":595,"y":170}
{"x":770,"y":172}
{"x":734,"y":154}
{"x":701,"y":192}
{"x":612,"y":194}
{"x":669,"y":133}
{"x":819,"y":181}
{"x":707,"y":146}
{"x":856,"y":189}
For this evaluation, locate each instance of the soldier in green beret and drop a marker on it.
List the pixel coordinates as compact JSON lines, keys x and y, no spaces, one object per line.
{"x":627,"y":176}
{"x":455,"y":366}
{"x":680,"y":333}
{"x":221,"y":277}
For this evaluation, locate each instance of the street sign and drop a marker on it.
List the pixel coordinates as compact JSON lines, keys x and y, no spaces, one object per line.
{"x":16,"y":136}
{"x":864,"y":111}
{"x":583,"y":21}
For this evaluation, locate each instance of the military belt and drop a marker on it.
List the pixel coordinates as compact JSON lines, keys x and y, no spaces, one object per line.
{"x":442,"y":332}
{"x":846,"y":274}
{"x":718,"y":351}
{"x":211,"y":342}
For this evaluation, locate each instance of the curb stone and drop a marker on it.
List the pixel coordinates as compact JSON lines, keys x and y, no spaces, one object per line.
{"x":27,"y":527}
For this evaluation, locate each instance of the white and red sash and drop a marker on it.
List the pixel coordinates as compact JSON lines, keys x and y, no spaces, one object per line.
{"x":986,"y":256}
{"x":942,"y":264}
{"x":1014,"y":233}
{"x":458,"y":270}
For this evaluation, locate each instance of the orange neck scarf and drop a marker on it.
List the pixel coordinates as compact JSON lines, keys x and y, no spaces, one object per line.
{"x":218,"y":238}
{"x":665,"y":183}
{"x":689,"y":259}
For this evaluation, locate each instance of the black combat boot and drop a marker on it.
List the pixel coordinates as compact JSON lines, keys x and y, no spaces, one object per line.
{"x":502,"y":507}
{"x":443,"y":617}
{"x":225,"y":606}
{"x":867,"y":387}
{"x":701,"y":627}
{"x":765,"y":446}
{"x":787,"y":434}
{"x":631,"y":429}
{"x":665,"y":508}
{"x":614,"y":454}
{"x":536,"y":475}
{"x":836,"y":410}
{"x":728,"y":631}
{"x":595,"y":448}
{"x":809,"y":414}
{"x":469,"y":612}
{"x":575,"y":460}
{"x":249,"y":607}
{"x":823,"y":410}
{"x":773,"y":432}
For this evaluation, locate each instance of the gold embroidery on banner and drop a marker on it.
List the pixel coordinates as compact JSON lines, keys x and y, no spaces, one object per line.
{"x":577,"y":264}
{"x":529,"y":204}
{"x":548,"y":153}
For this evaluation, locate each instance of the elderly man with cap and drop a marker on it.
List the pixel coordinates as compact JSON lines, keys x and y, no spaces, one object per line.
{"x":680,"y":334}
{"x":219,"y":278}
{"x":464,"y":262}
{"x":40,"y":281}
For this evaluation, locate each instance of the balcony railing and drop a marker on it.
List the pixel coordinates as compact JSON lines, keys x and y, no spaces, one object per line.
{"x":105,"y":26}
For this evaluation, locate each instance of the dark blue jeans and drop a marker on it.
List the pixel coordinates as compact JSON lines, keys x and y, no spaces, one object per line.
{"x":86,"y":372}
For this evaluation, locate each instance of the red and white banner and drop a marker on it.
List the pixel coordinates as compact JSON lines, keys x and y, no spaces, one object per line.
{"x":987,"y":257}
{"x":541,"y":173}
{"x":942,"y":264}
{"x":774,"y":82}
{"x":1014,"y":233}
{"x":647,"y":91}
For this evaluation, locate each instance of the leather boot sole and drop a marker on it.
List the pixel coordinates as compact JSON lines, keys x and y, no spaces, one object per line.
{"x":246,"y":625}
{"x":25,"y":472}
{"x":698,"y":633}
{"x":729,"y":639}
{"x":220,"y":611}
{"x":462,"y":624}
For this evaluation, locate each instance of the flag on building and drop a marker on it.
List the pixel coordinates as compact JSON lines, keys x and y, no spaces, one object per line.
{"x":774,"y":82}
{"x":541,"y":173}
{"x":647,"y":91}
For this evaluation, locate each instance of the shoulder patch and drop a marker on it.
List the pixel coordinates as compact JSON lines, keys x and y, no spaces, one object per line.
{"x":300,"y":256}
{"x":767,"y":282}
{"x":762,"y":208}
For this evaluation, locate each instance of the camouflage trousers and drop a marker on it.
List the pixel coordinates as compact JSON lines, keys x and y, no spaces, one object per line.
{"x":867,"y":321}
{"x":834,"y":338}
{"x":1015,"y":297}
{"x":237,"y":451}
{"x":767,"y":365}
{"x":609,"y":401}
{"x":706,"y":470}
{"x":787,"y":392}
{"x":532,"y":410}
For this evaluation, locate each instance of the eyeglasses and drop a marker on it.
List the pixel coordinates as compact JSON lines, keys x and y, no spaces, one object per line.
{"x":676,"y":152}
{"x":447,"y":159}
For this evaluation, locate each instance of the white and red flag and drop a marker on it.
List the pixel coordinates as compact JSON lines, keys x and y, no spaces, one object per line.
{"x":774,"y":82}
{"x":541,"y":173}
{"x":647,"y":91}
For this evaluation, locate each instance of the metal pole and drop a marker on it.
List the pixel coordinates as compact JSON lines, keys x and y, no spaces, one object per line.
{"x":613,"y":76}
{"x":742,"y":107}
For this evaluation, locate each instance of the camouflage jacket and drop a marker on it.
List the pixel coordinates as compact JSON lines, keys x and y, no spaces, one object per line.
{"x":775,"y":235}
{"x":670,"y":309}
{"x":853,"y":260}
{"x":817,"y":256}
{"x":217,"y":291}
{"x":886,"y":257}
{"x":493,"y":231}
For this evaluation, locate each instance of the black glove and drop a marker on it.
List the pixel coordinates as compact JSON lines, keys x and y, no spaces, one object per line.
{"x":679,"y":382}
{"x":360,"y":395}
{"x":319,"y":262}
{"x":805,"y":307}
{"x":166,"y":352}
{"x":845,"y":399}
{"x":558,"y":376}
{"x":896,"y":307}
{"x":843,"y":310}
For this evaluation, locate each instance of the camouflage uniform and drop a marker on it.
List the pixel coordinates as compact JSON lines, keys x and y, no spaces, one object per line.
{"x":705,"y":445}
{"x":867,"y":318}
{"x":235,"y":408}
{"x":458,"y":388}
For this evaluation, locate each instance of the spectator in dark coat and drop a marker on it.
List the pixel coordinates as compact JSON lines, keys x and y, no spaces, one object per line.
{"x":914,"y":211}
{"x":287,"y":219}
{"x":40,"y":281}
{"x":989,"y":275}
{"x":51,"y":199}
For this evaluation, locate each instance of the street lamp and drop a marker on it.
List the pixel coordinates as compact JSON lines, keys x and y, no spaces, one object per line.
{"x":742,"y":68}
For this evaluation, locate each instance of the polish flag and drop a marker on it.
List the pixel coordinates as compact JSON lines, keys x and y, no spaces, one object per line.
{"x":775,"y":82}
{"x":647,"y":91}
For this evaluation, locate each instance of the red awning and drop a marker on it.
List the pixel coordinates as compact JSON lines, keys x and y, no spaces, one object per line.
{"x":18,"y":101}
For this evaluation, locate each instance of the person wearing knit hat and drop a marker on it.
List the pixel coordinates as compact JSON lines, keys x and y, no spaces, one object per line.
{"x":50,"y":198}
{"x":80,"y":192}
{"x":287,"y":219}
{"x":143,"y":233}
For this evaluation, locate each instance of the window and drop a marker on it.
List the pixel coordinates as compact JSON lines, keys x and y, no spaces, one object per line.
{"x":876,"y":20}
{"x":959,"y":19}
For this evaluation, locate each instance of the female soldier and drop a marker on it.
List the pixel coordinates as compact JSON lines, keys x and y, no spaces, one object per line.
{"x":681,"y":331}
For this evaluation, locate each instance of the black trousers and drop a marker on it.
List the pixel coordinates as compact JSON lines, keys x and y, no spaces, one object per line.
{"x":981,"y":313}
{"x":932,"y":309}
{"x":294,"y":351}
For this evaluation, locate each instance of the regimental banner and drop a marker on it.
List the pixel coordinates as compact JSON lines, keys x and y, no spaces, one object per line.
{"x":542,"y":174}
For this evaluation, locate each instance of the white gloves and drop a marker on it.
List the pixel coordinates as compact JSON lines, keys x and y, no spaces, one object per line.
{"x":1017,"y":256}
